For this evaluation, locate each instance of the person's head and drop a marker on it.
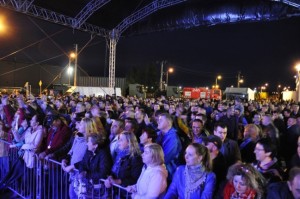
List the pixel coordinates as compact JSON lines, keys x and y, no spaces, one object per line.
{"x":213,"y":143}
{"x":294,"y":182}
{"x":36,"y":120}
{"x":117,"y":127}
{"x":257,"y":119}
{"x":172,"y":109}
{"x":286,"y":112}
{"x":165,"y":122}
{"x":131,"y":125}
{"x":87,"y":126}
{"x":95,"y":110}
{"x":95,"y":140}
{"x":264,"y":108}
{"x":265,"y":150}
{"x":197,"y":154}
{"x":128,"y":140}
{"x":197,"y":126}
{"x":295,"y":108}
{"x":220,"y":130}
{"x":139,"y":114}
{"x":58,"y":103}
{"x":266,"y":119}
{"x":148,"y":136}
{"x":153,"y":155}
{"x":202,"y":117}
{"x":251,"y":131}
{"x":156,"y":107}
{"x":80,"y":107}
{"x":237,"y":111}
{"x":245,"y":177}
{"x":291,"y":121}
{"x":25,"y":123}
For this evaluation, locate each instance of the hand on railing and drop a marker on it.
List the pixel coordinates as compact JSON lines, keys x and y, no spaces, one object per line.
{"x":42,"y":155}
{"x":68,"y":168}
{"x":49,"y":156}
{"x":111,"y":181}
{"x":131,"y":189}
{"x":12,"y":146}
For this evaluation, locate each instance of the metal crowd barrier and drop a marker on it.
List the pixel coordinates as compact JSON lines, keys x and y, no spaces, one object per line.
{"x":47,"y":180}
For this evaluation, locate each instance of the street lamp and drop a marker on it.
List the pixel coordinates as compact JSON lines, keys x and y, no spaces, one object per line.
{"x":218,"y":77}
{"x":170,"y":70}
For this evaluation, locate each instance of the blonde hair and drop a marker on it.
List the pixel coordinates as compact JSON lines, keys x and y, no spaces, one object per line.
{"x":89,"y":126}
{"x":157,"y":153}
{"x":252,"y":132}
{"x":134,"y":148}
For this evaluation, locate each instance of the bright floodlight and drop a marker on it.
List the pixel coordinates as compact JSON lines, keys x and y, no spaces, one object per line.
{"x":297,"y":67}
{"x":2,"y":25}
{"x":70,"y":70}
{"x":171,"y":70}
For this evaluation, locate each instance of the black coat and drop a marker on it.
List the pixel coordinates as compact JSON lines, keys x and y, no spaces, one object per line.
{"x":291,"y":143}
{"x":279,"y":190}
{"x":130,"y":170}
{"x":97,"y":164}
{"x":247,"y":151}
{"x":231,"y":152}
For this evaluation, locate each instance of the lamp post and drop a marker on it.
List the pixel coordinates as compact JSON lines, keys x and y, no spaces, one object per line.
{"x":75,"y":57}
{"x":72,"y":56}
{"x":218,"y":77}
{"x":297,"y":82}
{"x":170,"y":70}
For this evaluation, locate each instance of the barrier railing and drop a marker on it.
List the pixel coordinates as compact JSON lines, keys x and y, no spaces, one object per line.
{"x":47,"y":180}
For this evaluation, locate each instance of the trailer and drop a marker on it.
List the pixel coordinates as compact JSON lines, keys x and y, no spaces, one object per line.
{"x":202,"y":93}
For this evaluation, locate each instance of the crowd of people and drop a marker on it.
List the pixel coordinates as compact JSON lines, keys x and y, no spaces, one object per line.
{"x":159,"y":147}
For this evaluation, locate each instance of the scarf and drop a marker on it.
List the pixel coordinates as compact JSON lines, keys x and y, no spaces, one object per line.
{"x":118,"y":160}
{"x":194,"y":178}
{"x":230,"y":193}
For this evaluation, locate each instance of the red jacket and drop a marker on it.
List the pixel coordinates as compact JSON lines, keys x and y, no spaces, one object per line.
{"x":58,"y":137}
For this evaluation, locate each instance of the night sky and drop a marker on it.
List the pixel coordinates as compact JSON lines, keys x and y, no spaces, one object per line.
{"x":262,"y":52}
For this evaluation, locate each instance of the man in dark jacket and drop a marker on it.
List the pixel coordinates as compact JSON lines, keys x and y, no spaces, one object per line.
{"x":286,"y":190}
{"x":230,"y":148}
{"x":291,"y":138}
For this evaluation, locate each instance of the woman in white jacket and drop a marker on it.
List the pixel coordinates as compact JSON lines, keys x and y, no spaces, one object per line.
{"x":33,"y":140}
{"x":152,"y":182}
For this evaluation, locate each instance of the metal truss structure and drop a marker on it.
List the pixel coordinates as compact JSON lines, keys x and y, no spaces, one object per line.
{"x":87,"y":11}
{"x":79,"y":22}
{"x":127,"y":22}
{"x":27,"y":7}
{"x":294,"y":3}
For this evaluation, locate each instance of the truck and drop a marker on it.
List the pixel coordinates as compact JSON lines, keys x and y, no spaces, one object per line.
{"x":202,"y":93}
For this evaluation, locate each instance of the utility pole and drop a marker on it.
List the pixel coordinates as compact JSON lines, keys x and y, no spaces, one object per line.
{"x":238,"y":79}
{"x":161,"y":75}
{"x":75,"y":67}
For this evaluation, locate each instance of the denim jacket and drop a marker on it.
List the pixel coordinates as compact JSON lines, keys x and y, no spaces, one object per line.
{"x":172,"y":147}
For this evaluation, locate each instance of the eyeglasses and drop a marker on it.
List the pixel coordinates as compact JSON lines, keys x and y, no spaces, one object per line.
{"x":257,"y":149}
